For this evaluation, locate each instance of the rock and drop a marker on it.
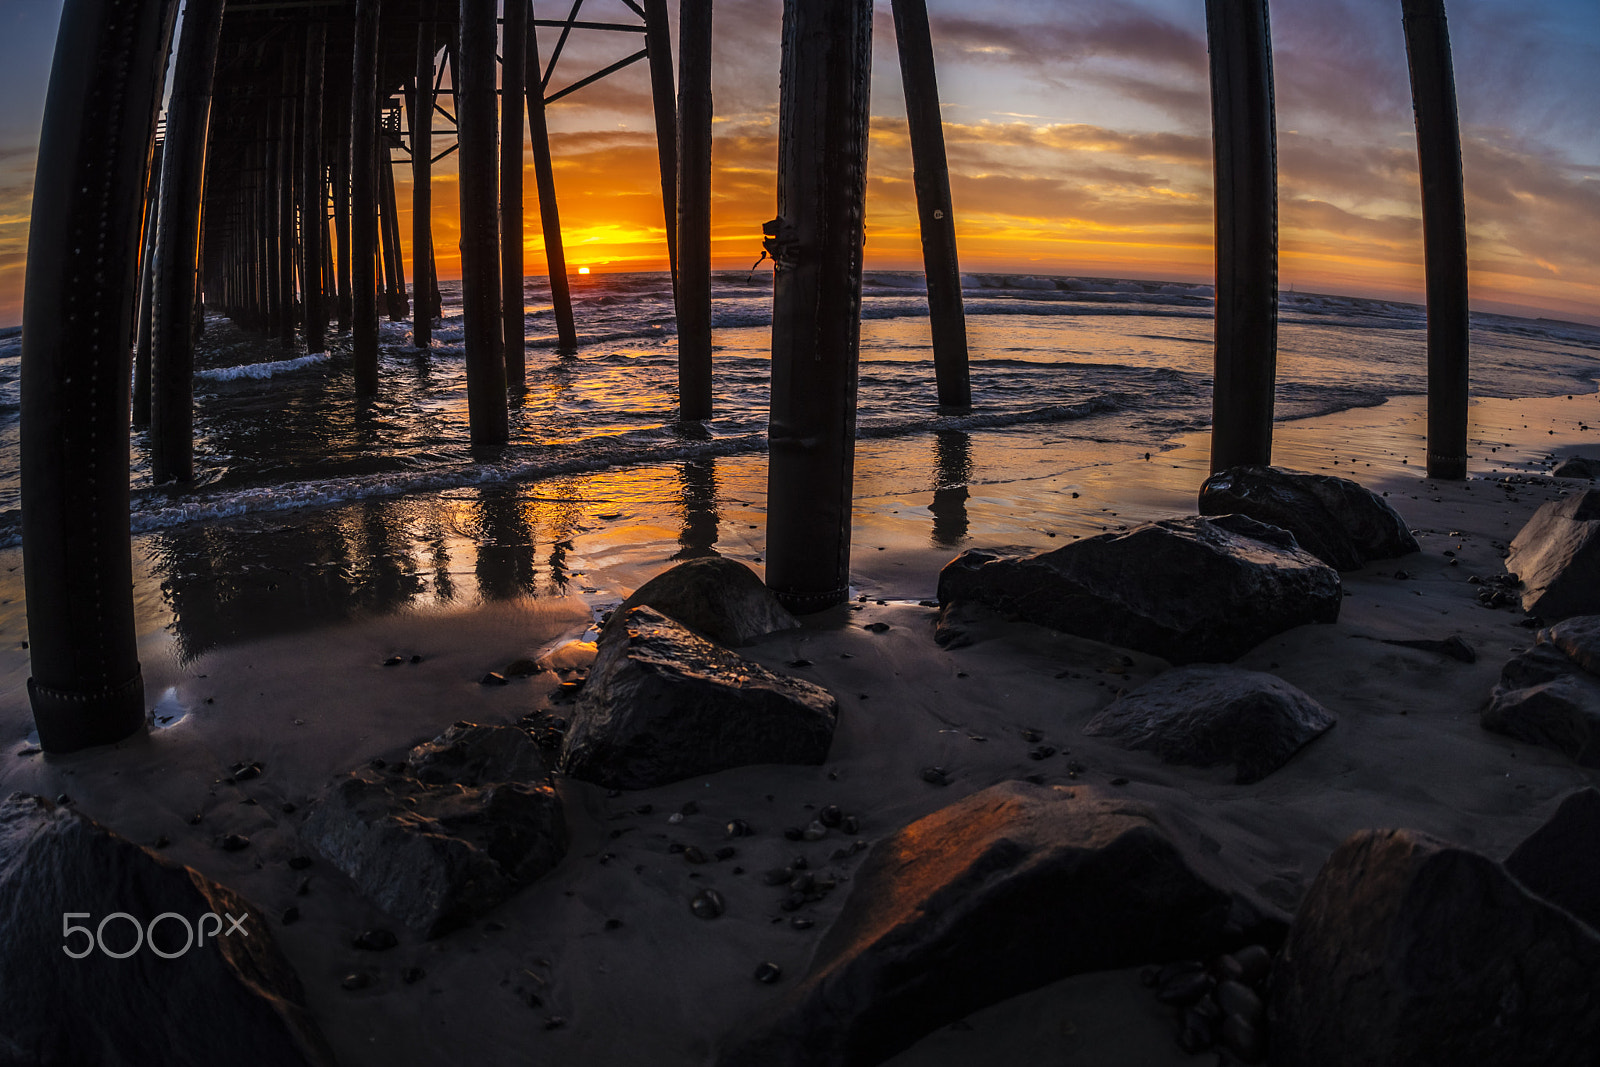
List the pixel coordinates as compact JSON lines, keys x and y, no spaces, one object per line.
{"x":1455,"y":646}
{"x":1188,"y":590}
{"x":1338,"y":521}
{"x":1560,"y":861}
{"x":707,"y":904}
{"x":204,"y":1004}
{"x":1005,"y":891}
{"x":663,"y":704}
{"x":1557,"y":556}
{"x":1206,"y":714}
{"x":436,"y":856}
{"x":1545,"y":699}
{"x":474,"y":755}
{"x":1578,"y":467}
{"x":1410,"y":951}
{"x":719,"y":598}
{"x":1578,"y":639}
{"x":375,"y":940}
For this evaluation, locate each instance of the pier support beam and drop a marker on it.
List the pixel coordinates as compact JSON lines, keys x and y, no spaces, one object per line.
{"x":694,"y":210}
{"x":935,"y":216}
{"x":1444,"y":233}
{"x":394,"y":270}
{"x":313,"y":207}
{"x":549,"y":213}
{"x":658,"y":42}
{"x":147,"y":277}
{"x":364,"y":199}
{"x":513,"y":50}
{"x":1245,"y":153}
{"x":480,"y":225}
{"x":177,"y":245}
{"x":94,"y":154}
{"x":816,"y":245}
{"x":422,"y":191}
{"x":288,"y":251}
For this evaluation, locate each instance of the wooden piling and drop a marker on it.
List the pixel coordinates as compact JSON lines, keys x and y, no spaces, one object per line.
{"x":422,"y":191}
{"x":364,"y":199}
{"x":147,"y":277}
{"x":935,"y":215}
{"x":1245,"y":157}
{"x":313,"y":207}
{"x":816,"y":245}
{"x":658,"y":43}
{"x":288,"y":238}
{"x":340,"y":182}
{"x":549,"y":211}
{"x":177,"y":245}
{"x":514,"y":52}
{"x":394,"y":271}
{"x":480,"y":225}
{"x":86,"y":687}
{"x":1444,"y":232}
{"x":694,"y":210}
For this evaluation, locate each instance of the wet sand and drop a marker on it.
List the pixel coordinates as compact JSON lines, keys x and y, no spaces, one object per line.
{"x":264,"y":640}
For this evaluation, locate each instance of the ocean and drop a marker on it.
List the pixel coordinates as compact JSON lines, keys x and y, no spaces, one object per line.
{"x":1097,"y":358}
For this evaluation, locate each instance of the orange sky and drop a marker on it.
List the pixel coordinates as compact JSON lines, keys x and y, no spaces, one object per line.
{"x":1079,"y":143}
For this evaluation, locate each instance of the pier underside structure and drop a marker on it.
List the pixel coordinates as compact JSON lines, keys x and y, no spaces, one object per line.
{"x":269,"y":197}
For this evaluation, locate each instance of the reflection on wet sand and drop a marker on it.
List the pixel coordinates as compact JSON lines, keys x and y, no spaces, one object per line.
{"x":507,"y":566}
{"x":952,"y":453}
{"x":697,"y":480}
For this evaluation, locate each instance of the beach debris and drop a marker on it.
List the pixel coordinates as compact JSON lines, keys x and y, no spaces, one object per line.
{"x":1578,"y":467}
{"x":1207,"y":714}
{"x":707,"y":904}
{"x":664,"y":704}
{"x":935,"y":926}
{"x":246,"y":770}
{"x":1560,"y":861}
{"x":1339,"y":521}
{"x":471,"y":754}
{"x":1187,"y":590}
{"x":377,"y":939}
{"x":1557,"y":557}
{"x":714,"y":596}
{"x":437,"y":856}
{"x":239,"y":993}
{"x":1410,"y":950}
{"x":1547,"y":699}
{"x":1455,"y":646}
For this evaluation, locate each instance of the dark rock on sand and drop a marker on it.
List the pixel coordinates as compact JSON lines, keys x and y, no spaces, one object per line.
{"x":1204,"y":715}
{"x":1578,"y":639}
{"x":719,"y":598}
{"x":663,"y":704}
{"x":1560,"y":861}
{"x":1545,"y":699}
{"x":1335,"y":519}
{"x":1005,"y":891}
{"x":436,"y":856}
{"x":473,"y":755}
{"x":1455,"y":646}
{"x":1410,"y":951}
{"x":1578,"y":467}
{"x":204,"y":1004}
{"x":1557,"y":556}
{"x":1188,"y":590}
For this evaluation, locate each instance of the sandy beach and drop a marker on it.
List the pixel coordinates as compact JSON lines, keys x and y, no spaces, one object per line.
{"x":265,"y":640}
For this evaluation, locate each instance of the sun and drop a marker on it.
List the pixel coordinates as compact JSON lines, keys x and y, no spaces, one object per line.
{"x":583,"y":270}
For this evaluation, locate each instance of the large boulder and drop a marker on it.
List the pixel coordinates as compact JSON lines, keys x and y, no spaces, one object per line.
{"x":437,"y":856}
{"x":469,"y":754}
{"x":1342,"y":523}
{"x":173,"y":999}
{"x":1578,"y":467}
{"x":1203,"y":715}
{"x":1544,"y":698}
{"x":1578,"y":639}
{"x":719,"y":598}
{"x":1560,"y":861}
{"x":663,"y":703}
{"x":1409,"y":951}
{"x":1188,"y":590}
{"x":1005,"y":891}
{"x":1557,"y":556}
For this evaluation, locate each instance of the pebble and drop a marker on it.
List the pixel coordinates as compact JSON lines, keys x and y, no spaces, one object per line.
{"x":814,"y":831}
{"x":1236,"y":998}
{"x":394,"y":661}
{"x":1033,"y":737}
{"x":162,"y":841}
{"x":877,"y":627}
{"x":554,"y":1022}
{"x":1242,"y":1039}
{"x":412,"y":975}
{"x":1255,"y":961}
{"x":1040,"y":752}
{"x":800,"y":922}
{"x":287,"y":809}
{"x":690,"y":807}
{"x":830,"y":816}
{"x":375,"y":940}
{"x":358,"y":980}
{"x":707,"y":904}
{"x":243,"y":772}
{"x":613,"y":924}
{"x":1228,"y":967}
{"x":233,"y":842}
{"x":850,"y":825}
{"x":768,"y":973}
{"x":694,"y":854}
{"x":799,"y":663}
{"x":778,"y":876}
{"x":493,"y":678}
{"x":299,"y":863}
{"x":726,"y":852}
{"x":739,"y":828}
{"x":1185,"y":988}
{"x":291,"y":915}
{"x":803,"y":882}
{"x":675,"y":818}
{"x":935,"y":776}
{"x":793,"y":902}
{"x":793,"y":833}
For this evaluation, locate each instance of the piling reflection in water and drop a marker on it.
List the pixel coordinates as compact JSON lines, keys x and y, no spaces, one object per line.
{"x":952,"y":454}
{"x":506,"y":564}
{"x":697,"y":479}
